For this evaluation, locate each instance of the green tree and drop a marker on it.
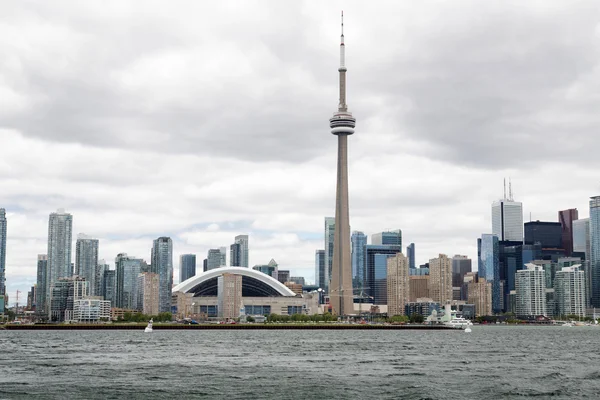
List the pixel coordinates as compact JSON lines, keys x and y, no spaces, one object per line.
{"x":417,"y":319}
{"x":398,"y":319}
{"x":249,"y":318}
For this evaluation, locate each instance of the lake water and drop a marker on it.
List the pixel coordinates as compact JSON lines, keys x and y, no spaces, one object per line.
{"x":491,"y":362}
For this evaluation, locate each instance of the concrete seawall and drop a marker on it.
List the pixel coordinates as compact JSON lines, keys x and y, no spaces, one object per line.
{"x":222,"y":326}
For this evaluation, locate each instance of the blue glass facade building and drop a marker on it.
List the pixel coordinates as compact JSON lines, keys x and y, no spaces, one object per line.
{"x":390,"y":238}
{"x":162,"y":264}
{"x":359,"y":243}
{"x":320,"y":272}
{"x":489,"y":266}
{"x":410,"y":254}
{"x":376,"y":270}
{"x":187,"y":266}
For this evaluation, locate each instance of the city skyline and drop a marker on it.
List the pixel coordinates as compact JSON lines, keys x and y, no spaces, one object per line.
{"x":278,"y":195}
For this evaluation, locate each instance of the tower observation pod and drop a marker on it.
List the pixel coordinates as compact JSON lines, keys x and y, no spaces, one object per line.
{"x":342,"y":124}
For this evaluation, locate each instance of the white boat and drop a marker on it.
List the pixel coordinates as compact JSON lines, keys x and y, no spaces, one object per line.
{"x":149,"y":327}
{"x":568,"y":324}
{"x":459,"y":322}
{"x":468,"y":329}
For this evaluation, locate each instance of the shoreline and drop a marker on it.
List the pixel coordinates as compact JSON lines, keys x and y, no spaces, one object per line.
{"x":35,"y":327}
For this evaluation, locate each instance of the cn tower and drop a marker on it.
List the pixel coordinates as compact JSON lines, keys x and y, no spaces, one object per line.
{"x":342,"y":125}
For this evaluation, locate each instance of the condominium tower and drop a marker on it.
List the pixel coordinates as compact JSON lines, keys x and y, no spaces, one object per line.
{"x":86,"y":260}
{"x":60,"y":236}
{"x":162,"y":265}
{"x":530,"y":286}
{"x":187,"y":266}
{"x":595,"y":249}
{"x":440,"y":279}
{"x":398,"y":289}
{"x":328,"y":243}
{"x":239,"y":252}
{"x":569,"y":289}
{"x":42,"y":287}
{"x":126,"y":285}
{"x":3,"y":224}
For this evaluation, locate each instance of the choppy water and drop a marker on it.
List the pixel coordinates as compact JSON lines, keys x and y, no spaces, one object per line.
{"x":490,"y":363}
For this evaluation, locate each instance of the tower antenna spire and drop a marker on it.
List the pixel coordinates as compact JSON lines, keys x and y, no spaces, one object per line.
{"x":342,"y":107}
{"x":504,"y":188}
{"x":510,"y":193}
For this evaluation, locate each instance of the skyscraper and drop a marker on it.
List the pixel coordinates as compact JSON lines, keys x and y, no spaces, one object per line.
{"x":530,"y":291}
{"x":410,"y":254}
{"x":98,"y":285}
{"x":460,"y":266}
{"x":235,"y":255}
{"x":329,"y":239}
{"x":581,"y":237}
{"x":216,"y":258}
{"x":398,"y":289}
{"x":148,"y":293}
{"x":109,"y":286}
{"x":569,"y":289}
{"x":40,"y":301}
{"x":582,"y":245}
{"x":320,"y":270}
{"x":342,"y":125}
{"x":479,"y":293}
{"x":440,"y":279}
{"x":3,"y":224}
{"x":162,"y":264}
{"x":386,"y":238}
{"x":489,"y":267}
{"x":60,"y":236}
{"x":566,"y":218}
{"x":241,"y":252}
{"x":376,"y":270}
{"x":595,"y":249}
{"x":86,"y":260}
{"x":507,"y":218}
{"x":187,"y":266}
{"x":547,"y":234}
{"x":359,"y":242}
{"x":127,"y":271}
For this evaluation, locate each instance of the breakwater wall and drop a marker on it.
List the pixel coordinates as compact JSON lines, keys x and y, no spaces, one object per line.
{"x":25,"y":327}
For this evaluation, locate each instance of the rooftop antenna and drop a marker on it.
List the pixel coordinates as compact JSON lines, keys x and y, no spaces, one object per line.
{"x":504,"y":188}
{"x":510,"y":193}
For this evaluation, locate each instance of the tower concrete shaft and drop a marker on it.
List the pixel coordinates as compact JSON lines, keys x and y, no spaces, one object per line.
{"x":342,"y":125}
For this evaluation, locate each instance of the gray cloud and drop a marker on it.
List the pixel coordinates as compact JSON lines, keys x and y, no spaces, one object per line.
{"x":168,"y":119}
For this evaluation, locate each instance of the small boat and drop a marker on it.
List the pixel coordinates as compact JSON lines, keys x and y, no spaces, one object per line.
{"x":567,"y":324}
{"x":149,"y":327}
{"x":468,"y":329}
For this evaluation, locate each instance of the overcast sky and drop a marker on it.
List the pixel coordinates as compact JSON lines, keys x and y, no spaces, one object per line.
{"x":205,"y":120}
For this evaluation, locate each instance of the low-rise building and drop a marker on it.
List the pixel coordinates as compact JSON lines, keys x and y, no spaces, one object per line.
{"x":91,"y":309}
{"x":423,"y":306}
{"x":116,"y":313}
